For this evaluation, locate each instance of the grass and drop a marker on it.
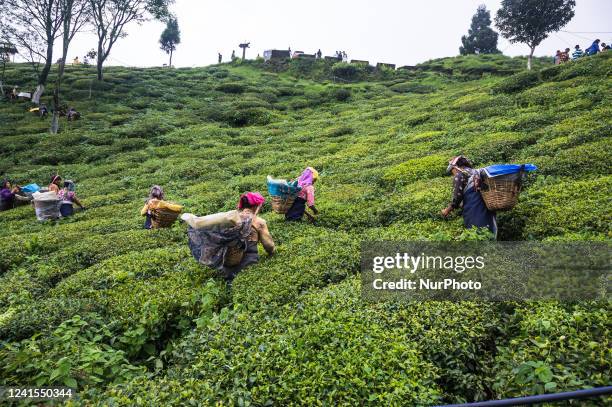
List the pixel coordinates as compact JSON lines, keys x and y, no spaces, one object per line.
{"x":128,"y":317}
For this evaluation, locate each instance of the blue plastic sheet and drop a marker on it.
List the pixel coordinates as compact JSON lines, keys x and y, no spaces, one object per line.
{"x":280,"y":187}
{"x":30,"y":188}
{"x":506,"y":169}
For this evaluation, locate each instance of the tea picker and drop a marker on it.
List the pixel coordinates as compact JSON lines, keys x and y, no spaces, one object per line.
{"x":159,"y":213}
{"x":12,"y":196}
{"x":483,"y":192}
{"x":228,"y":241}
{"x":305,"y":197}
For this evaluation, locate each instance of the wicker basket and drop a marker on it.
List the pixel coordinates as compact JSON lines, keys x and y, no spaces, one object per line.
{"x":500,"y":193}
{"x":282,"y":205}
{"x":233,"y":257}
{"x":163,"y":218}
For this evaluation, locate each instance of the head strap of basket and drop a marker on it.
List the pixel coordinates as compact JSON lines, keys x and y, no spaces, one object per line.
{"x":55,"y":178}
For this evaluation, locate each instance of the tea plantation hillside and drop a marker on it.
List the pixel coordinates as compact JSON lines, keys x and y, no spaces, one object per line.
{"x":129,"y":318}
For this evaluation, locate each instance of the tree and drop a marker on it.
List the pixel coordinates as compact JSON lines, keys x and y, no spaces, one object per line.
{"x":530,"y":21}
{"x":170,"y":37}
{"x":481,"y":36}
{"x":110,"y":18}
{"x":6,"y":50}
{"x":74,"y":15}
{"x":33,"y":26}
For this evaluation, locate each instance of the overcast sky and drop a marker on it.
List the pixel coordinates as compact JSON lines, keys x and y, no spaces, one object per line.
{"x":404,"y":32}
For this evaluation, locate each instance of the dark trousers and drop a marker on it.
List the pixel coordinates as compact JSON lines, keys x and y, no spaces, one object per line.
{"x":66,"y":209}
{"x":147,"y":224}
{"x":296,"y":212}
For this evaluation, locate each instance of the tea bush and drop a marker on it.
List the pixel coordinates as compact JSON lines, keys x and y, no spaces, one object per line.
{"x":329,"y":331}
{"x":128,"y":317}
{"x":552,"y":347}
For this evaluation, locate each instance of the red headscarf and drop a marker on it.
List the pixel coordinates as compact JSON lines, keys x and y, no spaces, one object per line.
{"x":254,"y":199}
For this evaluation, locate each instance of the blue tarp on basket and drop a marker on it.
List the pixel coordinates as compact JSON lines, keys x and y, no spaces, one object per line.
{"x":280,"y":187}
{"x":506,"y":169}
{"x":30,"y":188}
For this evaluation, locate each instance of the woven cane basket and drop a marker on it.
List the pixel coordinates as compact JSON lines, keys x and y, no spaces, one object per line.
{"x":163,"y":218}
{"x":281,"y":205}
{"x":233,"y":257}
{"x":500,"y":193}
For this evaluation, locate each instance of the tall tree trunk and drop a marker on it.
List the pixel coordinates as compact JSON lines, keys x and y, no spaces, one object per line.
{"x":44,"y":74}
{"x":2,"y":77}
{"x":99,"y":68}
{"x":56,"y":92}
{"x":530,"y":57}
{"x":55,"y":117}
{"x":38,"y":93}
{"x":170,"y":65}
{"x":100,"y":60}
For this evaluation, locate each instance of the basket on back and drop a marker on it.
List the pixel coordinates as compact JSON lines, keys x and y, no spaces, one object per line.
{"x":165,"y":214}
{"x":46,"y":205}
{"x":501,"y":187}
{"x":283,"y":194}
{"x":500,"y":193}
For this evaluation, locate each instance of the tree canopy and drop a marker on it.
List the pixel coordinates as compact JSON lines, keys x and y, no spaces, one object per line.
{"x":530,"y":21}
{"x":480,"y":38}
{"x":170,"y":37}
{"x":110,"y":18}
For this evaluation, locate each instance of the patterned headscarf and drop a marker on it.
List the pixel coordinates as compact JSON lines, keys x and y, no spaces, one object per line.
{"x":458,"y":162}
{"x":253,"y":198}
{"x":156,"y":192}
{"x":55,"y":178}
{"x":309,"y":175}
{"x":70,"y":185}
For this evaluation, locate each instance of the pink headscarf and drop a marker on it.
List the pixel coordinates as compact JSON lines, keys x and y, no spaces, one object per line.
{"x":306,"y":178}
{"x":254,"y":198}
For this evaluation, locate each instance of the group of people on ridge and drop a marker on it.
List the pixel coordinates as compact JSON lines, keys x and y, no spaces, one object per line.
{"x":564,"y":56}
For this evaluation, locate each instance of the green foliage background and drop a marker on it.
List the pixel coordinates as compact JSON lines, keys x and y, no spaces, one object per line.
{"x":128,"y":317}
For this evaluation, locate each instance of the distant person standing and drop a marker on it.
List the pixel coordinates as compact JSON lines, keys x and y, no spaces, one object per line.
{"x":344,"y":56}
{"x":233,"y":55}
{"x":319,"y":54}
{"x":577,"y":52}
{"x":220,"y":57}
{"x":565,"y":56}
{"x":558,"y":57}
{"x":593,"y":49}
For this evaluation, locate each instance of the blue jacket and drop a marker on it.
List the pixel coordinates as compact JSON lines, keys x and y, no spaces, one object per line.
{"x":593,"y":49}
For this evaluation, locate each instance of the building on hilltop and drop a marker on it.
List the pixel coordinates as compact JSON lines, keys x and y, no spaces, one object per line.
{"x":276,"y":54}
{"x":381,"y":65}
